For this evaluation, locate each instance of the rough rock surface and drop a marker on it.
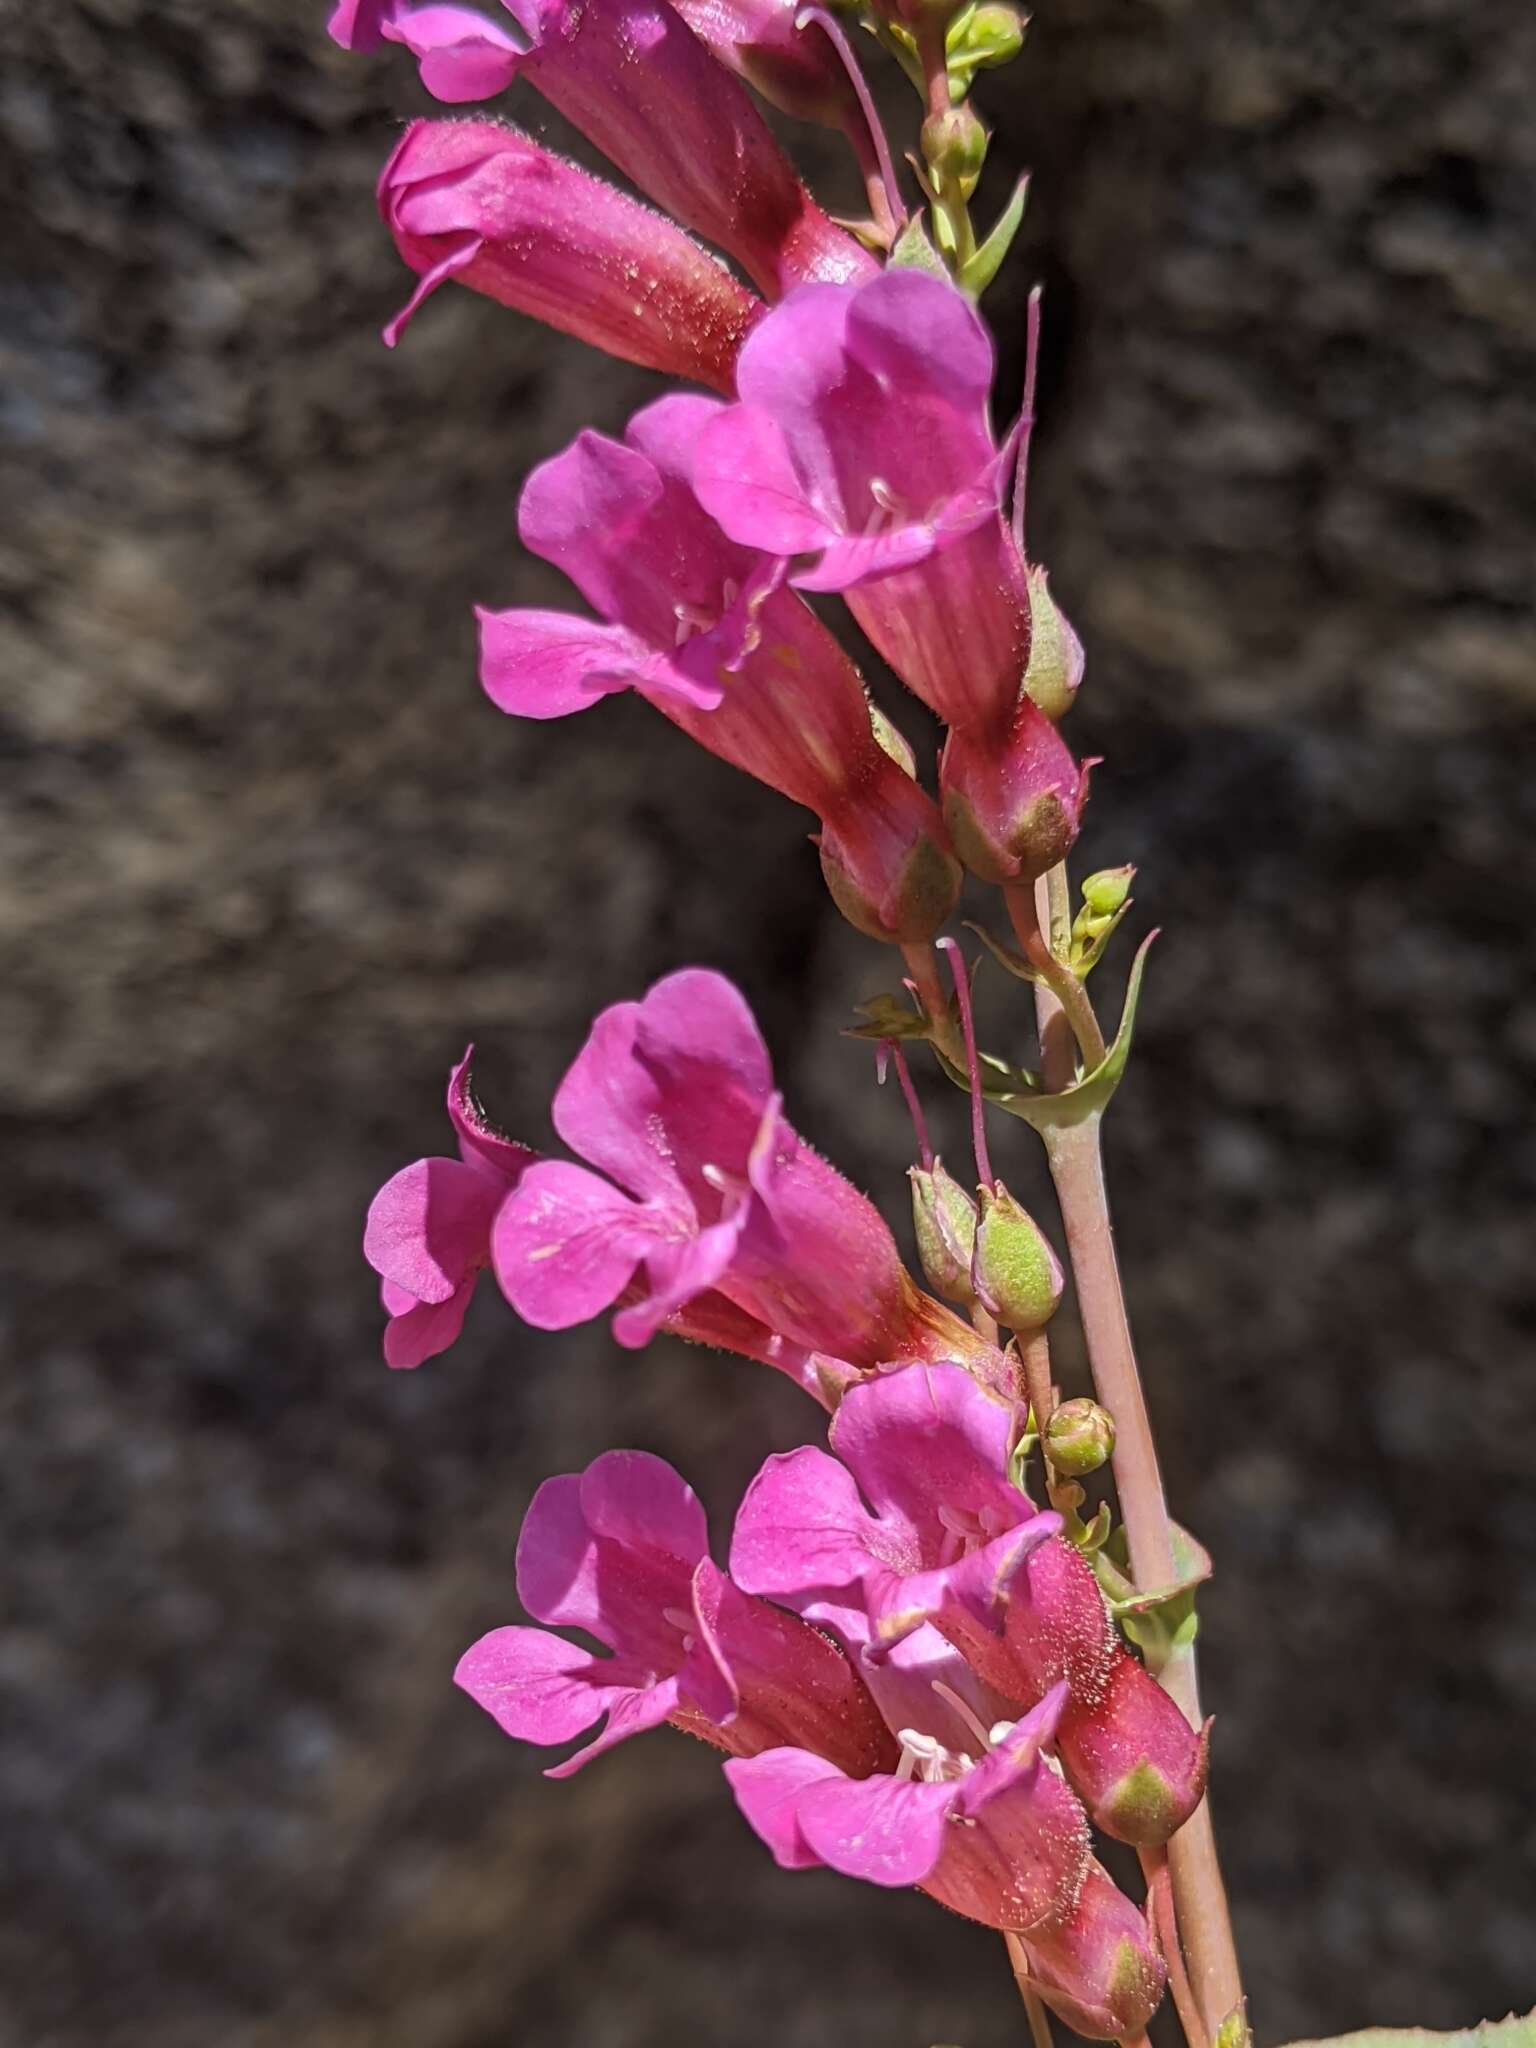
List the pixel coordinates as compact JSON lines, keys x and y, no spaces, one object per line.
{"x":270,"y":860}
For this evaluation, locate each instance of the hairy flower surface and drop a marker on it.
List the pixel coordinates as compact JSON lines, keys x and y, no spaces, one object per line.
{"x":428,"y":1234}
{"x":701,"y":1184}
{"x":946,"y":1540}
{"x":476,"y":202}
{"x":637,"y":82}
{"x":862,"y":439}
{"x":621,"y":1551}
{"x":702,"y":627}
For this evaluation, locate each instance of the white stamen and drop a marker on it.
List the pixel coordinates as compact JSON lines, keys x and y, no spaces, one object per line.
{"x":962,"y":1712}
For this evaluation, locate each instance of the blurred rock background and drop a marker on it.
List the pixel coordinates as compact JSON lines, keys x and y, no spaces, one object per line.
{"x":269,"y":860}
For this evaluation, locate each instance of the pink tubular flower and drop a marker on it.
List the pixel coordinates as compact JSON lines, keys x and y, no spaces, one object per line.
{"x":429,"y":1229}
{"x":795,"y":69}
{"x":953,"y":1543}
{"x":862,"y":439}
{"x":636,"y":80}
{"x":1096,"y":1966}
{"x":621,"y":1551}
{"x":999,"y":1838}
{"x":480,"y":203}
{"x":673,"y":1098}
{"x":702,"y":628}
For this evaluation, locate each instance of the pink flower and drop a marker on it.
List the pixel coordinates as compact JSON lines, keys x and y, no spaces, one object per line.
{"x":952,"y":1543}
{"x":795,"y":69}
{"x":997,"y":1837}
{"x":480,"y":203}
{"x":863,"y":439}
{"x":429,"y":1229}
{"x":634,"y":78}
{"x":708,"y":1188}
{"x":1096,"y":1965}
{"x":1013,"y":796}
{"x":701,"y":626}
{"x":621,"y":1552}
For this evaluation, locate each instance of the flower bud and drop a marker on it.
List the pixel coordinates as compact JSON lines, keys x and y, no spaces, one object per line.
{"x":1016,"y":1275}
{"x":955,"y":148}
{"x":1131,"y":1756}
{"x":1097,"y":1966}
{"x":1079,"y":1438}
{"x":886,"y":860}
{"x":978,"y":39}
{"x":1013,"y":806}
{"x":944,"y":1221}
{"x":1108,"y":890}
{"x":1056,"y":659}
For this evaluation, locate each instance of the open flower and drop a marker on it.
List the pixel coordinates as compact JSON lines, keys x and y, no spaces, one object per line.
{"x":428,"y":1234}
{"x":997,"y":1837}
{"x":947,"y":1540}
{"x":621,"y":1551}
{"x":637,"y":82}
{"x":702,"y":627}
{"x":477,"y":202}
{"x":702,"y":1184}
{"x":862,"y":440}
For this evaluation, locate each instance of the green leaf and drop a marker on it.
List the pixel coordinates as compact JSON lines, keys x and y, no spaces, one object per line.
{"x":1513,"y":2032}
{"x":978,"y":271}
{"x":888,"y":1016}
{"x":1158,"y":1619}
{"x":1090,"y":1095}
{"x":1011,"y":961}
{"x":912,"y":250}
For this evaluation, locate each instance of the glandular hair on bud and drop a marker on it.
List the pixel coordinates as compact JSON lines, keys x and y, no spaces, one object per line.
{"x":1079,"y":1438}
{"x":1016,"y":1274}
{"x":944,"y":1224}
{"x":1056,"y":659}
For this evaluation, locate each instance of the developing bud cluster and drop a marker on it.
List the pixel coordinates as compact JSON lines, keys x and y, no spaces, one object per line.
{"x":907,"y":1663}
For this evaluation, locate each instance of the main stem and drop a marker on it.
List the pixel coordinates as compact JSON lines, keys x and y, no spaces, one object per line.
{"x":1077,"y":1169}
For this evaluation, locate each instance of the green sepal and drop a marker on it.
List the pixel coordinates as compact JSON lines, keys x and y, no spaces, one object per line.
{"x":1089,"y":1095}
{"x":1007,"y":958}
{"x":978,"y":271}
{"x":912,"y":250}
{"x":1514,"y":2032}
{"x":1158,"y":1619}
{"x":977,"y":39}
{"x":1019,"y":1456}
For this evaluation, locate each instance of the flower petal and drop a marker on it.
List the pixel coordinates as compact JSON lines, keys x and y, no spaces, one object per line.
{"x":429,"y":1227}
{"x":927,"y":1438}
{"x":675,"y":1273}
{"x":881,"y":1829}
{"x":631,"y":1713}
{"x":768,"y":1790}
{"x":638,"y":1500}
{"x":538,"y":664}
{"x":419,"y":1330}
{"x":565,"y":1244}
{"x":745,"y":477}
{"x":536,"y":1687}
{"x":480,"y":1143}
{"x":801,"y":1524}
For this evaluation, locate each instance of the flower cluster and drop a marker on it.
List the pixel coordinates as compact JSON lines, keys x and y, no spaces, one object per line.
{"x":910,"y":1665}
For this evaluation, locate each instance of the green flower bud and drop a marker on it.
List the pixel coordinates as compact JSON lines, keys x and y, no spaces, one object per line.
{"x":1079,"y":1438}
{"x":980,"y":38}
{"x":944,"y":1221}
{"x":1056,"y":660}
{"x":1016,"y":1275}
{"x":955,"y":148}
{"x":1107,"y":891}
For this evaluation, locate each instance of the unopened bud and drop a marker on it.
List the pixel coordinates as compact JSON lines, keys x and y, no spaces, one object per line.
{"x":978,"y":39}
{"x":1056,"y":659}
{"x":1107,"y":891}
{"x":1013,"y":804}
{"x":1015,"y":1273}
{"x":944,"y":1222}
{"x":1079,"y":1438}
{"x":955,"y":148}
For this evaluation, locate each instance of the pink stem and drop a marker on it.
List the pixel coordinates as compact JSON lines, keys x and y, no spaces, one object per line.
{"x":973,"y":1064}
{"x":919,"y":1121}
{"x":1026,"y":418}
{"x":872,"y":145}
